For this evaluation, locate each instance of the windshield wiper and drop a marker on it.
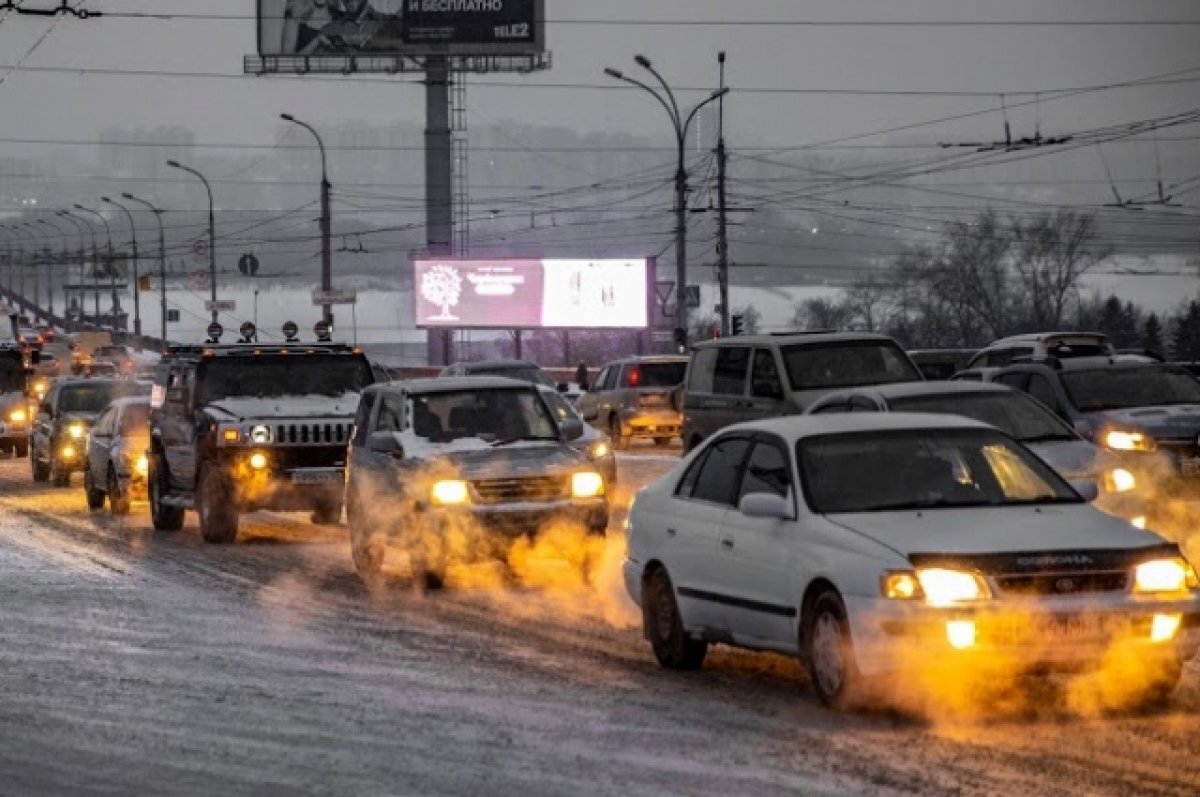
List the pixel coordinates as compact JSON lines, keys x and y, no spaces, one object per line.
{"x":934,"y":503}
{"x":521,"y":438}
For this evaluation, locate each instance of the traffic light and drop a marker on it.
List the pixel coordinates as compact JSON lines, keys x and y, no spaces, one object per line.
{"x":681,"y":339}
{"x":736,"y":324}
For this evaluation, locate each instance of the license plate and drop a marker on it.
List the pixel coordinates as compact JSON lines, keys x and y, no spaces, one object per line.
{"x":1068,"y":626}
{"x":1189,"y":467}
{"x":316,"y":477}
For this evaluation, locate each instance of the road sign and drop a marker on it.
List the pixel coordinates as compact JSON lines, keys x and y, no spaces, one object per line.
{"x":693,"y":296}
{"x":661,"y":336}
{"x":172,"y":316}
{"x":334,"y":297}
{"x":200,"y":281}
{"x":248,"y":264}
{"x":220,"y":306}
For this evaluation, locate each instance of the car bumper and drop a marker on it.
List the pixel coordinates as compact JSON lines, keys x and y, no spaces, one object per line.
{"x":293,"y":490}
{"x":1070,"y":634}
{"x":647,"y":423}
{"x":518,"y":519}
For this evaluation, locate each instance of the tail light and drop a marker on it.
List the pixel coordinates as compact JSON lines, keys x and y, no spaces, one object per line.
{"x":635,"y":377}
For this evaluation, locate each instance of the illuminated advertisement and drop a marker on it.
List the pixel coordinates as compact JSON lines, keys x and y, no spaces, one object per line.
{"x":532,"y":294}
{"x":400,"y":27}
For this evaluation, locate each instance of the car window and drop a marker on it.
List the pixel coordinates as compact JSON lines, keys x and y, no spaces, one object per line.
{"x":1014,"y":413}
{"x":717,"y":481}
{"x":1016,"y":380}
{"x":668,"y":374}
{"x":135,"y":420}
{"x":729,"y":372}
{"x":391,"y":415}
{"x":700,"y":374}
{"x":1041,"y":389}
{"x":362,"y":417}
{"x":561,"y":408}
{"x":767,"y":471}
{"x":862,"y":404}
{"x":1119,"y":388}
{"x":967,"y":376}
{"x":764,"y":378}
{"x":688,"y":482}
{"x":849,"y":364}
{"x":490,"y":414}
{"x":604,"y":382}
{"x":840,"y":405}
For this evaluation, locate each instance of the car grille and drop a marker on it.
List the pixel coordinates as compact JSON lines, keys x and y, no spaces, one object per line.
{"x":1069,"y":583}
{"x":539,"y":488}
{"x":318,"y":434}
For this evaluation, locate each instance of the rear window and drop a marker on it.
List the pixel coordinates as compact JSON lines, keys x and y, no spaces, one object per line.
{"x":653,"y":374}
{"x":850,"y":364}
{"x":523,"y":373}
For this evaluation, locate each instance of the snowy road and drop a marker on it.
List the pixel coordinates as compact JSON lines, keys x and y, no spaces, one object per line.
{"x":132,"y":662}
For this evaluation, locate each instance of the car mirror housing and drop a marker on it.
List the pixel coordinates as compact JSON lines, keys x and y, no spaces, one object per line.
{"x":572,"y":429}
{"x":766,"y":505}
{"x":1087,"y":489}
{"x":386,"y":443}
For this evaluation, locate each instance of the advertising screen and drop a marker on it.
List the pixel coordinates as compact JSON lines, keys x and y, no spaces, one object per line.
{"x":400,"y":27}
{"x":532,"y":294}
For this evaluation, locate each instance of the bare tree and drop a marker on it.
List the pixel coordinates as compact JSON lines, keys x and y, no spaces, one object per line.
{"x":1052,"y":251}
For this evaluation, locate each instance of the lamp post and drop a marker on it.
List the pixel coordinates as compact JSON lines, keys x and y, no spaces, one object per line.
{"x":37,"y":271}
{"x":18,"y":231}
{"x":326,"y":221}
{"x":50,"y":271}
{"x":11,"y":260}
{"x":680,"y":124}
{"x":212,"y":236}
{"x":75,"y":222}
{"x":162,"y":261}
{"x":95,"y":259}
{"x":137,"y":305}
{"x":108,"y":260}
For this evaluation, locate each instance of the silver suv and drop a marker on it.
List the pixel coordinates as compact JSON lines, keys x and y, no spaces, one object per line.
{"x":631,"y":399}
{"x":737,"y":379}
{"x":1063,"y":345}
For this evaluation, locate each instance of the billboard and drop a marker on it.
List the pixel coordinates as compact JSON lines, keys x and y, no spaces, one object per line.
{"x":400,"y":27}
{"x":532,"y":294}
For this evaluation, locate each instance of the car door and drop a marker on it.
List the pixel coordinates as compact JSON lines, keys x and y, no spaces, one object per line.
{"x":589,"y":403}
{"x":361,"y":461}
{"x":756,"y":570}
{"x":378,"y":468}
{"x":43,"y":426}
{"x":766,"y":386}
{"x":99,"y":447}
{"x":728,"y":402}
{"x":177,"y":428}
{"x":703,"y":497}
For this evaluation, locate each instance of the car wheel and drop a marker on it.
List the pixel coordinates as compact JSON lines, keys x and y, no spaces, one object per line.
{"x":218,"y":515}
{"x":21,"y":450}
{"x":58,"y":476}
{"x":367,"y":549}
{"x":41,"y":472}
{"x":619,"y":443}
{"x":662,"y":442}
{"x":165,"y":518}
{"x":328,"y":513}
{"x":691,"y":444}
{"x":95,"y":498}
{"x":663,"y":626}
{"x":829,"y":652}
{"x":118,"y":502}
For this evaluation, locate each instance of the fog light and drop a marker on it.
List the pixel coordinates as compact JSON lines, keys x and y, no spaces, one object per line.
{"x":76,"y":430}
{"x":142,"y":465}
{"x":1163,"y":627}
{"x":17,"y":416}
{"x":960,"y":633}
{"x":1139,"y":521}
{"x":67,"y":452}
{"x":449,"y":492}
{"x":1121,"y":480}
{"x":901,"y":586}
{"x":258,"y":461}
{"x":587,"y":485}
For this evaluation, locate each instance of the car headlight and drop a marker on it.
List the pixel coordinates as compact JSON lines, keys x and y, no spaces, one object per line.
{"x":1164,"y":575}
{"x":17,"y":416}
{"x":1119,"y":480}
{"x":258,"y":460}
{"x":587,"y":484}
{"x":141,"y":465}
{"x":260,"y":434}
{"x":450,"y":492}
{"x":944,"y":587}
{"x":67,"y":452}
{"x":1121,"y":440}
{"x":77,"y":430}
{"x":599,"y":450}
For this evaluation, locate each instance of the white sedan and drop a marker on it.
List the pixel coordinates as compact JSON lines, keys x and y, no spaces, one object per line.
{"x":868,"y":544}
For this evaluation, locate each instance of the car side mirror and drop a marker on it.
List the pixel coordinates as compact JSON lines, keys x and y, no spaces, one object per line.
{"x":572,"y":428}
{"x":766,"y":505}
{"x":386,"y":443}
{"x":1087,"y":489}
{"x":591,"y":413}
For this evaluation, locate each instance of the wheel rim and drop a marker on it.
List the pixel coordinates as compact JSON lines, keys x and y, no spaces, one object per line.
{"x":664,"y":614}
{"x":827,"y":659}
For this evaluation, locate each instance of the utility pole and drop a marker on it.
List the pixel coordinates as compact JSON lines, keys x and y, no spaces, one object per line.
{"x":162,"y":264}
{"x":439,"y":170}
{"x":722,"y":236}
{"x":212,"y":235}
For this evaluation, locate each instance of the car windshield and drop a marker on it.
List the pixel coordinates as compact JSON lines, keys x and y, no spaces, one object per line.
{"x":653,"y":374}
{"x":1118,"y":388}
{"x":562,"y":409}
{"x":849,"y":364}
{"x":92,"y":397}
{"x":525,"y":373}
{"x":12,"y":374}
{"x":880,"y":471}
{"x":1015,"y":414}
{"x":495,"y":415}
{"x":135,"y":421}
{"x":282,"y":375}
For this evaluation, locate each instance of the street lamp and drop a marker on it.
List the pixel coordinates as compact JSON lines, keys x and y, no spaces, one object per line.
{"x":108,"y":260}
{"x":680,"y":123}
{"x":212,"y":236}
{"x":66,"y":214}
{"x":137,"y":305}
{"x":75,"y":222}
{"x":50,"y":271}
{"x":37,"y":271}
{"x":17,"y":231}
{"x":326,"y":222}
{"x":162,"y":261}
{"x":11,"y":260}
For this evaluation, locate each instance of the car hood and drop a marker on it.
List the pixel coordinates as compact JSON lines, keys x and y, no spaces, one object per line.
{"x":9,"y":400}
{"x":87,"y":417}
{"x":1073,"y":459}
{"x":997,"y":529}
{"x":248,"y":407}
{"x":1171,"y":422}
{"x":515,"y":461}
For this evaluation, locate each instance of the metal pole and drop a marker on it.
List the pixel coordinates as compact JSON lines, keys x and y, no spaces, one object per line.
{"x":326,"y":221}
{"x":37,"y":271}
{"x":722,"y":228}
{"x":212,"y":236}
{"x":50,"y":271}
{"x":109,"y":266}
{"x":137,"y":306}
{"x":76,"y":221}
{"x":95,"y":260}
{"x":162,"y":262}
{"x":439,"y":174}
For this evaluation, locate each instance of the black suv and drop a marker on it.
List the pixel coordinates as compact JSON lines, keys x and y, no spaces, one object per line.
{"x":14,"y":405}
{"x":237,"y":428}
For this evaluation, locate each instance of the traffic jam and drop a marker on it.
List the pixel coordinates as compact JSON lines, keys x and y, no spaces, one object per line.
{"x":1019,"y":532}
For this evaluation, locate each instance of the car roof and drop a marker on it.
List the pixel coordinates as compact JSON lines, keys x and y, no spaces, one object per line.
{"x":795,"y":338}
{"x":1106,"y":363}
{"x":801,"y":426}
{"x":912,"y":389}
{"x":451,"y":384}
{"x":485,"y":364}
{"x":649,"y":359}
{"x":1037,"y":337}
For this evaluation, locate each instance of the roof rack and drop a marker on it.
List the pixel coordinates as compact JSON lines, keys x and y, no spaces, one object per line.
{"x":236,"y":349}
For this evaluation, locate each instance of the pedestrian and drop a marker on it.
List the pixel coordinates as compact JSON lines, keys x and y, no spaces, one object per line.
{"x":581,"y":376}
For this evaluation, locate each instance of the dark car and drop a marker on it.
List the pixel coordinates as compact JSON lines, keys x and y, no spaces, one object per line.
{"x":1146,"y":410}
{"x":64,"y":419}
{"x":237,"y":428}
{"x":14,"y":405}
{"x":462,"y":466}
{"x":523,"y":370}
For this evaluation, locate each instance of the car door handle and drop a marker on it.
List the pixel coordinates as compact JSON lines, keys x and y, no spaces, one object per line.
{"x":727,"y":544}
{"x":670,"y":532}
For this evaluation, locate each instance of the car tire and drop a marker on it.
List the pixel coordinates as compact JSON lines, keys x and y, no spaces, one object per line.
{"x":328,"y":513}
{"x":95,"y":498}
{"x":619,"y":442}
{"x":662,"y":442}
{"x":58,"y":477}
{"x":165,"y":518}
{"x":663,"y":626}
{"x":829,"y":652}
{"x":118,"y":502}
{"x":21,"y":450}
{"x":41,"y":472}
{"x":215,"y":504}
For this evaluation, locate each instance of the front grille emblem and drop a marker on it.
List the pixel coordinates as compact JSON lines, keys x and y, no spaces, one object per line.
{"x":1064,"y":585}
